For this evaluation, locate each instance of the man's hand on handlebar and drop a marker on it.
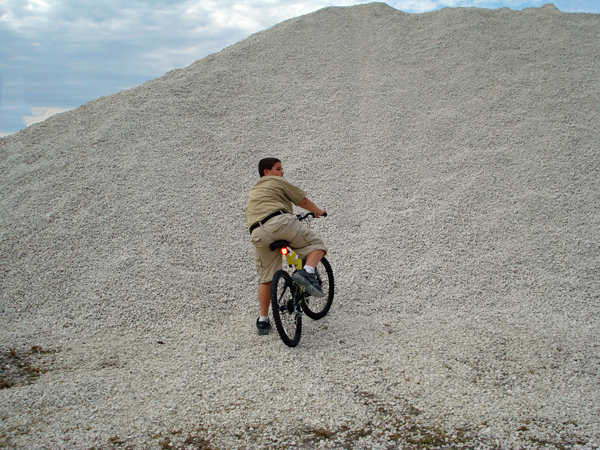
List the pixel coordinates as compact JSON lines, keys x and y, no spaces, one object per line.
{"x":301,"y":217}
{"x":322,"y":213}
{"x":310,"y":206}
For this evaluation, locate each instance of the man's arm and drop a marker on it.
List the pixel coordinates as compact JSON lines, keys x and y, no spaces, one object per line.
{"x":310,"y":206}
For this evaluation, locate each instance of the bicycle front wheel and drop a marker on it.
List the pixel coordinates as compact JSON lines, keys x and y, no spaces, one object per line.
{"x":286,"y":311}
{"x":314,"y":307}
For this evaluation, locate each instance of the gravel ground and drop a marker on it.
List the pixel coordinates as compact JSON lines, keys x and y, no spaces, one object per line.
{"x":457,"y":153}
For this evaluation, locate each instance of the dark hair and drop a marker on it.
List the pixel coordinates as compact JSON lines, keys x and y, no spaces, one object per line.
{"x":266,"y":164}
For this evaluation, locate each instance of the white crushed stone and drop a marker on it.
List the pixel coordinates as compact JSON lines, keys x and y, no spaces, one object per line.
{"x":457,"y":152}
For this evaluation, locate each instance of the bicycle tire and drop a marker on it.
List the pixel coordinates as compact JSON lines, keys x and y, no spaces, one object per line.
{"x":287,"y":318}
{"x":314,"y":307}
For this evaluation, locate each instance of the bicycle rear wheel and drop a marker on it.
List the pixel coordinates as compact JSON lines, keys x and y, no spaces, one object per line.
{"x":314,"y":307}
{"x":286,"y":312}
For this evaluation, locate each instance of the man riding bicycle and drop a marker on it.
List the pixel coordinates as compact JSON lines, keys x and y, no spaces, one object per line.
{"x":270,"y":217}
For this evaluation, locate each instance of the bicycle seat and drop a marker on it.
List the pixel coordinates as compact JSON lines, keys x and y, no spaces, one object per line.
{"x":278,"y":244}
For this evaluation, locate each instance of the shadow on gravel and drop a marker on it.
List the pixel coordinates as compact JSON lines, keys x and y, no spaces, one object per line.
{"x":409,"y":437}
{"x":20,"y":368}
{"x":191,"y":443}
{"x":403,"y":428}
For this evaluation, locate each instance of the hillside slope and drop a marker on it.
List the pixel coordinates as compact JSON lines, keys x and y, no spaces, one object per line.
{"x":457,"y":153}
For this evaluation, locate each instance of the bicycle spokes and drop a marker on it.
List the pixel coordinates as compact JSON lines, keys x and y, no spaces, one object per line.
{"x":287,"y":312}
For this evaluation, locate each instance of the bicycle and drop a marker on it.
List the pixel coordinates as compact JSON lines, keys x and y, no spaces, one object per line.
{"x":289,"y":300}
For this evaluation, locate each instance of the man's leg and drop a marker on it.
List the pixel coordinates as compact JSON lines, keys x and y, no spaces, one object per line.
{"x":306,"y":276}
{"x":264,"y":298}
{"x":314,"y":257}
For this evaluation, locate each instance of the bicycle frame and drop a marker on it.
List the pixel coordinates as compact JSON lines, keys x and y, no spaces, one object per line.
{"x":295,"y":263}
{"x":291,"y":257}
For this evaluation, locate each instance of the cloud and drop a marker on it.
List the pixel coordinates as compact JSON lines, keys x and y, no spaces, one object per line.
{"x":420,"y":6}
{"x":41,"y":114}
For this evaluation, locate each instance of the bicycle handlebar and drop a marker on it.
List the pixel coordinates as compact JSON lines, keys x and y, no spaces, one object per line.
{"x":308,"y":214}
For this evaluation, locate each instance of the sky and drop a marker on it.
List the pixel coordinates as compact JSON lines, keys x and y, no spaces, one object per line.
{"x":56,"y":55}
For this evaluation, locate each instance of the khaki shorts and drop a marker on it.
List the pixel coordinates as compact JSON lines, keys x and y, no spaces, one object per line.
{"x":302,"y":239}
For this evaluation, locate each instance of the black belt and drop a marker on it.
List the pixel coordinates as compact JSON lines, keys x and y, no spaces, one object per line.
{"x":265,"y":220}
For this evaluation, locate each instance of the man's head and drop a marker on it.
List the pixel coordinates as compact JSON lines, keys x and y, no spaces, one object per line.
{"x":270,"y":166}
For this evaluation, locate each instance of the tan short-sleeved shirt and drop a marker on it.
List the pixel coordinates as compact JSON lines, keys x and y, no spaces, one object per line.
{"x":271,"y":194}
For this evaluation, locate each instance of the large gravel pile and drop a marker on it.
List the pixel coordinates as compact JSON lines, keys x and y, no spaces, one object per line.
{"x":457,"y":153}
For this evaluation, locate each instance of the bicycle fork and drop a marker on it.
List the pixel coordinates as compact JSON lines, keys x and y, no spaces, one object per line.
{"x":297,"y":299}
{"x":299,"y":296}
